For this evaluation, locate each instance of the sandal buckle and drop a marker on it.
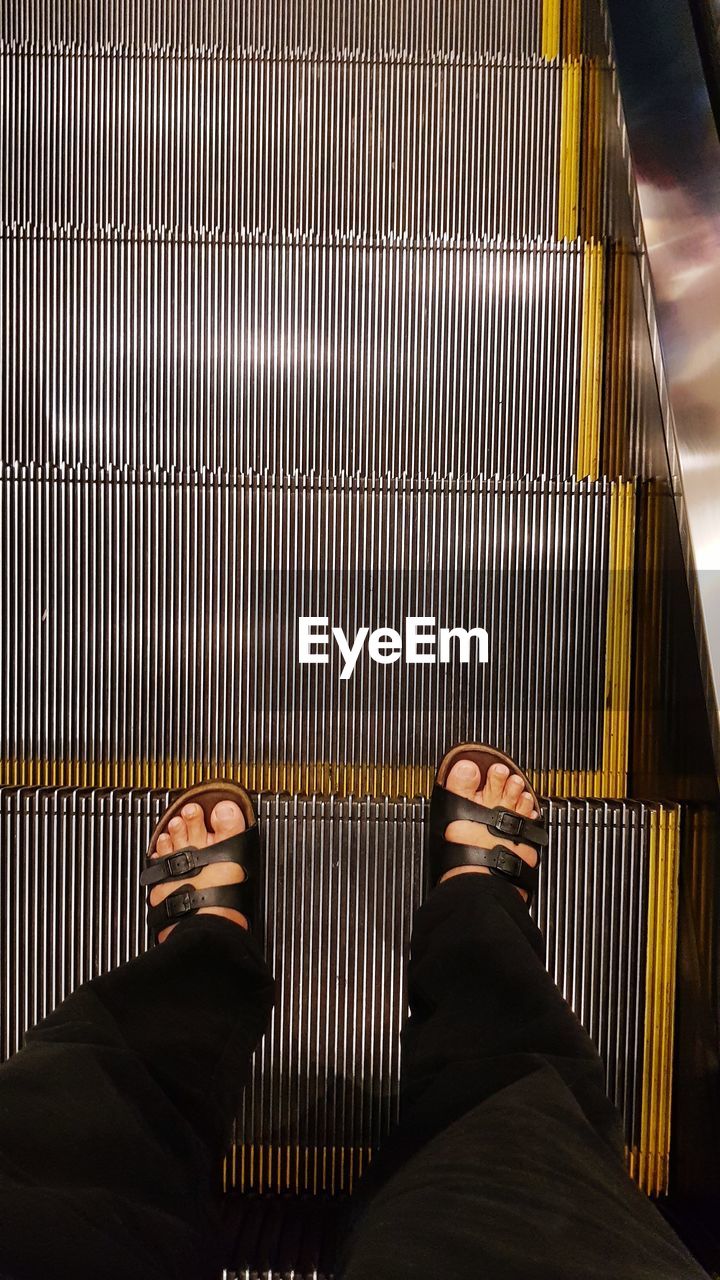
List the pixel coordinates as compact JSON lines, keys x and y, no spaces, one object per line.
{"x":178,"y":904}
{"x":508,"y":823}
{"x":509,"y":863}
{"x":180,"y":864}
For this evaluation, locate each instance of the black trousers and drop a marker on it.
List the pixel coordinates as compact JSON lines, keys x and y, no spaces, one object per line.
{"x":507,"y":1161}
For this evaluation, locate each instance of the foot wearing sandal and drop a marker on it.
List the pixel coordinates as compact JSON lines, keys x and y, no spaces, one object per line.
{"x":486,"y":807}
{"x":202,"y":854}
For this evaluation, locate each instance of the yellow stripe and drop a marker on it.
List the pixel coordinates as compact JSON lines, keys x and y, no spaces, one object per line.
{"x":649,"y":655}
{"x":591,"y":362}
{"x":550,"y":30}
{"x":381,"y":780}
{"x":572,"y":28}
{"x":569,"y":165}
{"x":592,"y":151}
{"x":610,"y":780}
{"x":295,"y":1168}
{"x":618,"y":640}
{"x":616,"y":407}
{"x":652,"y":1159}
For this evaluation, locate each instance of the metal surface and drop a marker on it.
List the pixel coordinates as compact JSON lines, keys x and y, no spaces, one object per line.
{"x":284,"y":287}
{"x":417,"y":28}
{"x":342,"y":881}
{"x":234,"y":242}
{"x":675,"y":181}
{"x":287,"y":351}
{"x":152,"y":621}
{"x":435,"y":147}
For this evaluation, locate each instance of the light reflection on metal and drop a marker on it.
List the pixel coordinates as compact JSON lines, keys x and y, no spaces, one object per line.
{"x":675,"y":154}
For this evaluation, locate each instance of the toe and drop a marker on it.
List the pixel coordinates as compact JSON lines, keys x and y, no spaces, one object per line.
{"x":512,"y":791}
{"x":195,"y":822}
{"x":525,"y":805}
{"x":494,"y":784}
{"x":227,"y":819}
{"x":164,"y":846}
{"x":178,"y":833}
{"x":463,"y":779}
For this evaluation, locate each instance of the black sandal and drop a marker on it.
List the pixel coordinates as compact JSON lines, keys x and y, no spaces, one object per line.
{"x":446,"y":807}
{"x":242,"y":849}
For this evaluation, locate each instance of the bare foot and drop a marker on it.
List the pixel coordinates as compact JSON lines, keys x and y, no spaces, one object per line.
{"x":498,"y":788}
{"x":189,"y":831}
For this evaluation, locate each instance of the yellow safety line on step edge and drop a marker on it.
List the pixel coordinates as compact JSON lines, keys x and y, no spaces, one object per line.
{"x":572,"y":28}
{"x":591,"y":362}
{"x":318,"y":778}
{"x":550,"y":30}
{"x":618,"y":638}
{"x":295,"y":1168}
{"x":569,"y":160}
{"x":616,"y":407}
{"x":592,"y":152}
{"x":610,"y":780}
{"x":652,"y":1160}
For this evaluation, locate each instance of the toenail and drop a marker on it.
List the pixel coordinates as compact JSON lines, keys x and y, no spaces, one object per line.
{"x":516,"y":778}
{"x":465,"y":769}
{"x":175,"y":823}
{"x":190,"y":810}
{"x":226,"y":810}
{"x":500,"y":770}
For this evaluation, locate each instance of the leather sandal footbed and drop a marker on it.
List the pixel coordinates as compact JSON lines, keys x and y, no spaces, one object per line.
{"x":483,"y":756}
{"x":207,"y":795}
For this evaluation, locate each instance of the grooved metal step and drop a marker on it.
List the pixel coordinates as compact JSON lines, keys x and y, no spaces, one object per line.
{"x":430,"y":148}
{"x":296,"y":353}
{"x":282,"y":1237}
{"x":415,"y":27}
{"x":342,"y":881}
{"x":153,"y":623}
{"x":308,"y":313}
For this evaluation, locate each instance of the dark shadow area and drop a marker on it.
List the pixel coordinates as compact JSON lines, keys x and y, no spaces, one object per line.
{"x":671,"y":757}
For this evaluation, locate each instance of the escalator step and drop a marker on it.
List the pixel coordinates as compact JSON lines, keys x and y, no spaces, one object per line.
{"x":152,"y":620}
{"x":342,"y":880}
{"x":439,"y":148}
{"x":339,"y":354}
{"x":416,"y":28}
{"x":286,"y":1236}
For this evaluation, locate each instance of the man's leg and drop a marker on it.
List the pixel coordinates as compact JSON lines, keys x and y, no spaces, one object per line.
{"x":115,"y":1116}
{"x":508,"y":1160}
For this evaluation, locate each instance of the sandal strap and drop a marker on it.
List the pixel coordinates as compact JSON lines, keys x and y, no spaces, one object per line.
{"x":187,"y":901}
{"x":499,"y":860}
{"x":240,"y":849}
{"x":446,"y":855}
{"x":446,"y":807}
